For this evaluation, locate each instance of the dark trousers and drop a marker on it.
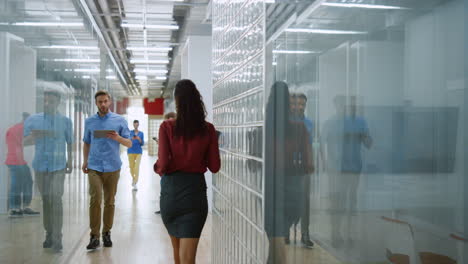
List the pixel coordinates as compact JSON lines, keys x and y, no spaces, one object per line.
{"x":20,"y":186}
{"x":297,"y":202}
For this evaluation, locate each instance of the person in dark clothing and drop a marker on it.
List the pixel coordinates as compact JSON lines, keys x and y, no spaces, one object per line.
{"x":284,"y":138}
{"x":299,"y":186}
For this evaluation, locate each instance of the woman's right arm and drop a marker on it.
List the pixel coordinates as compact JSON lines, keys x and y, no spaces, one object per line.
{"x":214,"y":162}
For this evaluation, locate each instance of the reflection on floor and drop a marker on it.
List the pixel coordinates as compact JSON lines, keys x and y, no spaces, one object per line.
{"x":301,"y":255}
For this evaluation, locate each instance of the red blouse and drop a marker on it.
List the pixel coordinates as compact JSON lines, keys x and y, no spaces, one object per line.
{"x":186,"y":155}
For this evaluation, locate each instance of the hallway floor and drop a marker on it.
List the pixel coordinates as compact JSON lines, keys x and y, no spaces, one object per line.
{"x":138,"y":234}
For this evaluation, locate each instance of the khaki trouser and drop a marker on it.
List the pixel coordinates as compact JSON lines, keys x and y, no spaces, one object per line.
{"x":134,"y":163}
{"x":99,"y":182}
{"x":51,"y":187}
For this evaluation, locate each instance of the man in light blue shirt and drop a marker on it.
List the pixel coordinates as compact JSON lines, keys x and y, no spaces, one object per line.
{"x":343,"y":137}
{"x":135,"y":152}
{"x":52,"y":135}
{"x":101,"y":161}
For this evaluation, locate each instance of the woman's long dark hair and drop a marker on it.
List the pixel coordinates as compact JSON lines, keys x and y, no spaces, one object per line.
{"x":191,"y":112}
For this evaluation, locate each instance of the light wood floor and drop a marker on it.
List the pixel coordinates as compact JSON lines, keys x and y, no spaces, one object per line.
{"x":138,"y":234}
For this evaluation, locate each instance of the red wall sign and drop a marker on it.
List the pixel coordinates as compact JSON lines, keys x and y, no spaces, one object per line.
{"x":153,"y":106}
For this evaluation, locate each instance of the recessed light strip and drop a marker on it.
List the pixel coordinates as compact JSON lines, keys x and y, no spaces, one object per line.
{"x":367,"y":6}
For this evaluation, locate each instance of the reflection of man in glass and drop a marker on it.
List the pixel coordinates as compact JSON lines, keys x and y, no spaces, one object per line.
{"x":298,"y":107}
{"x":284,"y":137}
{"x":51,"y":133}
{"x":21,"y":182}
{"x":344,"y":135}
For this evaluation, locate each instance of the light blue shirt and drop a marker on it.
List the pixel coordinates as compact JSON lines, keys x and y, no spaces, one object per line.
{"x":355,"y":128}
{"x":136,"y":145}
{"x":343,"y":136}
{"x":104,"y":154}
{"x":50,"y":151}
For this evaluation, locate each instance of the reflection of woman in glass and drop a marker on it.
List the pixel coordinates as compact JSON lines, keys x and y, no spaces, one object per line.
{"x":284,"y":140}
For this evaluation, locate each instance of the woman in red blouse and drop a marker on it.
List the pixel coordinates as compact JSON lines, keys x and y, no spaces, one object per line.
{"x":187,"y":147}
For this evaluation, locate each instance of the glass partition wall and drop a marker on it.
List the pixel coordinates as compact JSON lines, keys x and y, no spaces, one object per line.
{"x":49,"y":71}
{"x":362,"y":140}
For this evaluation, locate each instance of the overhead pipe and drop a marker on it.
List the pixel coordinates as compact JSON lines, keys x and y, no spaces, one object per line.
{"x":114,"y":36}
{"x":97,"y":25}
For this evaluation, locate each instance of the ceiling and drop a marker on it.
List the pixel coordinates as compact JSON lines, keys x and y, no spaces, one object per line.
{"x":136,"y":41}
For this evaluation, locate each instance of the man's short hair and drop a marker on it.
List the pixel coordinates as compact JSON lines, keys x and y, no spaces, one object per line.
{"x":54,"y":93}
{"x":136,"y":121}
{"x":25,"y":115}
{"x":302,"y":96}
{"x":170,"y":115}
{"x":101,"y":92}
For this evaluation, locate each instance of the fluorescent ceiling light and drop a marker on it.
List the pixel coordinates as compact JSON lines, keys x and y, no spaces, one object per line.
{"x":161,"y":78}
{"x":77,"y":60}
{"x":141,"y":78}
{"x":68,"y":47}
{"x":49,"y":24}
{"x":149,"y":48}
{"x":149,"y":54}
{"x":150,"y":71}
{"x":293,"y":52}
{"x":111,"y":77}
{"x":86,"y":77}
{"x":324,"y":31}
{"x":149,"y":26}
{"x":151,"y":67}
{"x":149,"y":61}
{"x":368,"y":6}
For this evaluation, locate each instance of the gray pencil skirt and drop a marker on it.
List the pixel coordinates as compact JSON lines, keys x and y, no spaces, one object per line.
{"x":183,"y":203}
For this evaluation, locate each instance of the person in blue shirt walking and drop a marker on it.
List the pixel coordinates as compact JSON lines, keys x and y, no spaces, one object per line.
{"x":134,"y":153}
{"x":52,"y":135}
{"x":344,"y":137}
{"x":101,"y":161}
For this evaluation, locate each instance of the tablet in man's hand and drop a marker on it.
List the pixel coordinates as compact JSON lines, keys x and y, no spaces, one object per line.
{"x":102,"y":133}
{"x":40,"y":133}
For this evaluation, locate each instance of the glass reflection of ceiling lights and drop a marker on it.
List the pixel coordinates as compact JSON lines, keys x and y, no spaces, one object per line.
{"x":109,"y":77}
{"x":361,"y":4}
{"x":294,"y":52}
{"x":324,"y":31}
{"x":73,"y":60}
{"x":48,"y":24}
{"x":68,"y":47}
